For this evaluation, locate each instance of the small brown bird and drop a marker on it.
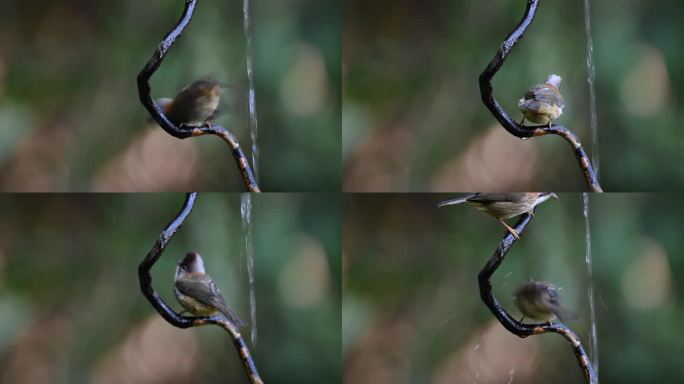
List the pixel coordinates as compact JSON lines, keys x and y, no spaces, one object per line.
{"x":196,"y":291}
{"x":503,"y":205}
{"x":543,"y":103}
{"x":540,"y":301}
{"x":194,"y":105}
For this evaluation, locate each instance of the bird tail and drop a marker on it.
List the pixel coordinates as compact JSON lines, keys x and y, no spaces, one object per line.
{"x":165,"y":104}
{"x":563,"y":314}
{"x":232,"y":316}
{"x":454,"y":201}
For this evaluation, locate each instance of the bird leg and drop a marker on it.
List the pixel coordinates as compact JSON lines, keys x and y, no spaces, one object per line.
{"x":511,"y":230}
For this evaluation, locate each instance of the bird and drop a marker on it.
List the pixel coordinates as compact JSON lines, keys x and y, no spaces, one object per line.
{"x":540,"y":300}
{"x":503,"y":205}
{"x":195,"y":105}
{"x":197,"y":293}
{"x":543,"y":103}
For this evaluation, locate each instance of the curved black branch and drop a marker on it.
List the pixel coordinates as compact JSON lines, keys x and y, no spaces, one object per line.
{"x":172,"y":316}
{"x":520,"y":329}
{"x":153,"y":255}
{"x":160,"y":117}
{"x":525,"y":131}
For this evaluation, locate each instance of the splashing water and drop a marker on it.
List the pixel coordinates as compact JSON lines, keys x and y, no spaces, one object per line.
{"x":251,"y":97}
{"x":591,"y":78}
{"x":593,"y":346}
{"x":248,"y":252}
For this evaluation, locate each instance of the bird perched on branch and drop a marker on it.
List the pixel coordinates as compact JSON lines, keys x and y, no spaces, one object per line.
{"x":503,"y":205}
{"x":196,"y":291}
{"x":543,"y":103}
{"x":540,"y":301}
{"x":196,"y":104}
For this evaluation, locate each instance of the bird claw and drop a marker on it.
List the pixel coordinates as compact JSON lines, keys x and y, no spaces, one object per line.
{"x":511,"y":230}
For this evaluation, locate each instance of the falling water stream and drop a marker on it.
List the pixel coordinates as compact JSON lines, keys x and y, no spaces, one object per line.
{"x":251,"y":96}
{"x":591,"y":77}
{"x":593,"y":339}
{"x":248,"y":251}
{"x":246,"y":198}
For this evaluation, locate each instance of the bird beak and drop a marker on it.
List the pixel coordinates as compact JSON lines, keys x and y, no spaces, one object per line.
{"x":553,"y":195}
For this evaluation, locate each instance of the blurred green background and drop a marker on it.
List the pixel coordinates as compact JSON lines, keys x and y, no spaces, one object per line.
{"x":413,"y":119}
{"x":70,"y":118}
{"x":71,"y":310}
{"x":411,"y":307}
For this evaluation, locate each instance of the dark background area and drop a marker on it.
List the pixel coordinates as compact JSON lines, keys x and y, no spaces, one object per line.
{"x":71,"y":309}
{"x":412,"y":311}
{"x":413,"y":119}
{"x":70,"y":118}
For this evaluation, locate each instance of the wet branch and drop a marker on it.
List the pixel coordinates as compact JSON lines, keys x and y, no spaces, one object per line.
{"x":526,"y":131}
{"x":183,"y":132}
{"x":520,"y":329}
{"x":172,"y":316}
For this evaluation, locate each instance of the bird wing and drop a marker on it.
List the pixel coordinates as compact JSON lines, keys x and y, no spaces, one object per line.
{"x":554,"y":298}
{"x":203,"y":289}
{"x":232,"y":99}
{"x":559,"y":309}
{"x":491,"y":197}
{"x":540,"y":107}
{"x":545,"y":93}
{"x":530,"y":94}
